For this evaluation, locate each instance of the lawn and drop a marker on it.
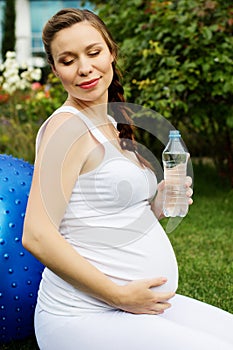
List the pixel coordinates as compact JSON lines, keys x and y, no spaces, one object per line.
{"x":203,"y":243}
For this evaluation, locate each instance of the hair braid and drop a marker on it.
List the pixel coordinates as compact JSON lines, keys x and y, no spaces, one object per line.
{"x":121,"y":113}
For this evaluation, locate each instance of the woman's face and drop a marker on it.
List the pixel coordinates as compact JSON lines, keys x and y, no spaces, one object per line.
{"x":83,"y":63}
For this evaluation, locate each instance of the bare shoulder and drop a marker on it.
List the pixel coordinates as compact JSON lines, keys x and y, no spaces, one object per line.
{"x":65,"y":123}
{"x":61,"y":132}
{"x":62,"y":152}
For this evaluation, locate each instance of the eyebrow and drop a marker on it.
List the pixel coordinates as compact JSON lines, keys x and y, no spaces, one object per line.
{"x":87,"y":48}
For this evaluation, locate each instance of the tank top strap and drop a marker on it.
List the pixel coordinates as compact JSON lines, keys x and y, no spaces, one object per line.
{"x":99,"y":136}
{"x":90,"y":125}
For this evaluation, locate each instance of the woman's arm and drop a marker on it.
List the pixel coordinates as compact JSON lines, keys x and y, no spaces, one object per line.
{"x":64,"y":149}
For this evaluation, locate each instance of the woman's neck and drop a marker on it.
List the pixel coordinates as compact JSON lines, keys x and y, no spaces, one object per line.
{"x":96,"y":112}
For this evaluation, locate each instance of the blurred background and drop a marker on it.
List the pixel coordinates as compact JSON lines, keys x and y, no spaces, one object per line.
{"x":25,"y":27}
{"x":176,"y":58}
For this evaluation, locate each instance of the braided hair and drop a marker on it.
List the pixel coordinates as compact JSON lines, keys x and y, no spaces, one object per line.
{"x":121,"y":113}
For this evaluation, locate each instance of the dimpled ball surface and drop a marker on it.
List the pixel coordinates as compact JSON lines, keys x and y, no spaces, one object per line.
{"x":20,"y":272}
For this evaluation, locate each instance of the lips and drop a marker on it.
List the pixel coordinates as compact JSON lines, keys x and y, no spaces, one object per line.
{"x":89,"y":84}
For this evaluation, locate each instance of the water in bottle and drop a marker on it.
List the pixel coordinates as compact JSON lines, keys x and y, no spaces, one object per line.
{"x":175,"y":158}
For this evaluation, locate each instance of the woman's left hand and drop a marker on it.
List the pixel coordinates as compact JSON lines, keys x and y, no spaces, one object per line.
{"x":157,"y":203}
{"x":189,"y":191}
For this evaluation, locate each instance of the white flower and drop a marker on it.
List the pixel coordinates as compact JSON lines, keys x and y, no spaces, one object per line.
{"x":24,"y":75}
{"x":23,"y":85}
{"x":10,"y":54}
{"x":36,"y":74}
{"x":18,"y":106}
{"x":9,"y":88}
{"x":12,"y":80}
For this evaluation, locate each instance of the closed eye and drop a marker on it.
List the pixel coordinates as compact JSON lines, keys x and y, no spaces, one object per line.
{"x":67,"y":63}
{"x":94,"y":53}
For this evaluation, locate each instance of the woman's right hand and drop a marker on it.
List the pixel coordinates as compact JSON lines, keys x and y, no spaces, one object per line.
{"x":137,"y":297}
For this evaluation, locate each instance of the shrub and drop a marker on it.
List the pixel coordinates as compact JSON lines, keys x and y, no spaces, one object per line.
{"x":25,"y":104}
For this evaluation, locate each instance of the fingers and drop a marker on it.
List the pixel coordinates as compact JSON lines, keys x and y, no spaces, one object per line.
{"x":188,"y":181}
{"x":160,"y":298}
{"x":189,"y":192}
{"x":163,"y":297}
{"x":146,"y":300}
{"x":189,"y":195}
{"x":155,"y":282}
{"x":159,"y":308}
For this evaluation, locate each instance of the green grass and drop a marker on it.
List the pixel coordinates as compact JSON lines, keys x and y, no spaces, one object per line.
{"x":26,"y":344}
{"x":203,"y":243}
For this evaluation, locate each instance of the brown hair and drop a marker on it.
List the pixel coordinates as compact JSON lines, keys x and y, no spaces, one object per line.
{"x":65,"y":19}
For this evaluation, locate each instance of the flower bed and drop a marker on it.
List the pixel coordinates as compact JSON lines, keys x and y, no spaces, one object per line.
{"x":24,"y":104}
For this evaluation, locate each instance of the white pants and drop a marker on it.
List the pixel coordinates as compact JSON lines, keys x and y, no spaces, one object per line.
{"x":188,"y":325}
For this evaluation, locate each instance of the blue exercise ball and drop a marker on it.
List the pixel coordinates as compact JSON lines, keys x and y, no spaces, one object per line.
{"x":20,"y":272}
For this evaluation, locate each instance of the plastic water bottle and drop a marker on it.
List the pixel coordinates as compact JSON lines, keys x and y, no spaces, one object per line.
{"x":175,"y":158}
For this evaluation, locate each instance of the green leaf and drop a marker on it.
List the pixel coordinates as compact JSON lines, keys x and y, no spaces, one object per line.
{"x":180,"y":87}
{"x":229,"y":121}
{"x":207,"y":33}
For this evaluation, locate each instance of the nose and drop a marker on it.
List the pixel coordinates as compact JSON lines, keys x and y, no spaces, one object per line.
{"x":84,"y":66}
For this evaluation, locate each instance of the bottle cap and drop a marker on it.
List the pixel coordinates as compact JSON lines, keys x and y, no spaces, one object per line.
{"x":174,"y":133}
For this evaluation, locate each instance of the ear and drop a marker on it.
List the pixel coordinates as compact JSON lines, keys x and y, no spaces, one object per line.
{"x":112,"y":58}
{"x":54,"y":71}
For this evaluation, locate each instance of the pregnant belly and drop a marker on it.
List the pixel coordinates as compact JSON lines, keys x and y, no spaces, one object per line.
{"x":147,"y":256}
{"x":160,"y":259}
{"x":153,"y":256}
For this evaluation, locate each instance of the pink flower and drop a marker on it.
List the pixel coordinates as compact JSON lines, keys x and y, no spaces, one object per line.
{"x":36,"y":86}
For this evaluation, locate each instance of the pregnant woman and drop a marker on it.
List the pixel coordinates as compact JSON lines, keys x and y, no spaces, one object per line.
{"x":93,"y":217}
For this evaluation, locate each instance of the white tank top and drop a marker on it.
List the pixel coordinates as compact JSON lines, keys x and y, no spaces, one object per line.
{"x":109,"y":221}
